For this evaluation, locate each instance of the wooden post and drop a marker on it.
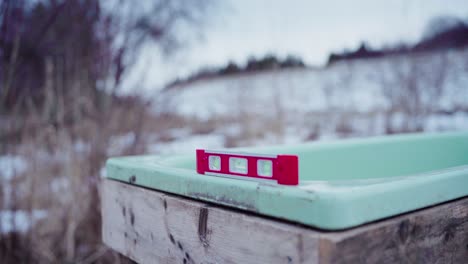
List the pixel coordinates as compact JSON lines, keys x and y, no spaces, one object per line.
{"x":154,"y":227}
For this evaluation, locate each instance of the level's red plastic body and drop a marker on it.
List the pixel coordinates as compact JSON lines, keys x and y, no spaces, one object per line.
{"x":285,"y":167}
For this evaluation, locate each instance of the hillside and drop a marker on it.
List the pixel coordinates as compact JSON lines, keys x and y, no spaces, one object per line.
{"x":363,"y":97}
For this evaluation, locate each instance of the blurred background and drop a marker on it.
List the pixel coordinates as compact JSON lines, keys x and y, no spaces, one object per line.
{"x":82,"y":80}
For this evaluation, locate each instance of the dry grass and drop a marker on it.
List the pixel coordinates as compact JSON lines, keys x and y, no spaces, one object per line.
{"x":62,"y":178}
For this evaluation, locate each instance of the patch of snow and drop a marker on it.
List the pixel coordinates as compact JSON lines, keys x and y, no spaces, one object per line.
{"x":234,"y":129}
{"x":461,"y":121}
{"x":19,"y":221}
{"x":117,"y":144}
{"x":81,"y":147}
{"x":11,"y":165}
{"x":59,"y":184}
{"x":188,"y":144}
{"x":457,"y":121}
{"x":103,"y":172}
{"x":180,"y":132}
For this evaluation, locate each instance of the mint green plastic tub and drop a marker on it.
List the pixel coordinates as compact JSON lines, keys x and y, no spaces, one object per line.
{"x":342,"y":184}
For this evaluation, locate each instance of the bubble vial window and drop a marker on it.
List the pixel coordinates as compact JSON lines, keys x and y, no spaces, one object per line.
{"x":214,"y":163}
{"x":265,"y":168}
{"x":238,"y":165}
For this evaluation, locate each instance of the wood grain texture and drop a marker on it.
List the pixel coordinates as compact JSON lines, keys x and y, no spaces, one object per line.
{"x":154,"y":227}
{"x":435,"y":235}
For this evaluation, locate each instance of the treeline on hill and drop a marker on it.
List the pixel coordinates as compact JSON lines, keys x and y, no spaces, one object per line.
{"x":441,"y":33}
{"x":269,"y":62}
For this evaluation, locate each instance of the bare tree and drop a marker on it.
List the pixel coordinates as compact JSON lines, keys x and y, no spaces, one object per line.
{"x":413,"y":86}
{"x":62,"y":63}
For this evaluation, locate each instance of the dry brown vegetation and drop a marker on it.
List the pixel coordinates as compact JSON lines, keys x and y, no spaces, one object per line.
{"x":62,"y":64}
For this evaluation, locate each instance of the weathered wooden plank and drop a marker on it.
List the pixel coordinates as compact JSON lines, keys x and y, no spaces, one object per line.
{"x":154,"y":227}
{"x":434,"y":235}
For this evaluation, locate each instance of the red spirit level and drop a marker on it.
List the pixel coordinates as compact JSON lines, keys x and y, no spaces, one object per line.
{"x":282,"y":168}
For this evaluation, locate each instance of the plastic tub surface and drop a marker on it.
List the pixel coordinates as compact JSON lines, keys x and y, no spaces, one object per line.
{"x":342,"y":184}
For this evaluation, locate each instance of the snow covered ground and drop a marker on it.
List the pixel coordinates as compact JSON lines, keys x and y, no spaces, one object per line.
{"x":351,"y":86}
{"x":188,"y":143}
{"x":348,"y":99}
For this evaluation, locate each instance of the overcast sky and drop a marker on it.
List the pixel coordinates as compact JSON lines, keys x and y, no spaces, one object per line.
{"x":310,"y":29}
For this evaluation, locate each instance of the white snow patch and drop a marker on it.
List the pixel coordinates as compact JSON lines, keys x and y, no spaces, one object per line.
{"x":118,"y":144}
{"x":11,"y":165}
{"x":457,"y":121}
{"x":59,"y":184}
{"x":188,"y":144}
{"x":103,"y":172}
{"x":20,"y":220}
{"x":81,"y":147}
{"x":180,"y":132}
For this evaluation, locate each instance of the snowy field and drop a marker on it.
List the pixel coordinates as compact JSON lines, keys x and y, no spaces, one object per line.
{"x":349,"y":86}
{"x":348,"y":99}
